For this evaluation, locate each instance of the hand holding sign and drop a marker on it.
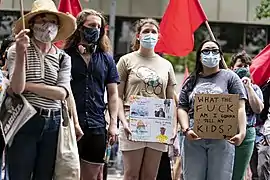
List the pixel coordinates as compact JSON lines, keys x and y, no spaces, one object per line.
{"x":191,"y":135}
{"x":237,"y":139}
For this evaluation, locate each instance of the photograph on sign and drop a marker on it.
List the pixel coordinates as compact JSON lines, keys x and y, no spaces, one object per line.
{"x":151,"y":119}
{"x":216,"y":115}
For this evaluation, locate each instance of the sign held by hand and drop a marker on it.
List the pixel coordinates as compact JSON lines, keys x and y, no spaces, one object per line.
{"x":216,"y":115}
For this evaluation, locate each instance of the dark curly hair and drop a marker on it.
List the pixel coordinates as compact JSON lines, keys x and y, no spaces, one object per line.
{"x":243,"y":56}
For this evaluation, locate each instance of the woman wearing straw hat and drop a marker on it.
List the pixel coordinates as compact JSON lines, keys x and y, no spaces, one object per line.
{"x":36,"y":72}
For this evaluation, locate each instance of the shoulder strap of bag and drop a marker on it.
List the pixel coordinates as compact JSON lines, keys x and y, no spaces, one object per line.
{"x":65,"y":114}
{"x":61,"y":58}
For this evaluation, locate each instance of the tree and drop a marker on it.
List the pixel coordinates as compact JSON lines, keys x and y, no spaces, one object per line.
{"x":263,"y":10}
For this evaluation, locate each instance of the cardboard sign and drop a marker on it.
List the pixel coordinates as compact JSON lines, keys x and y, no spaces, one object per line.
{"x":216,"y":115}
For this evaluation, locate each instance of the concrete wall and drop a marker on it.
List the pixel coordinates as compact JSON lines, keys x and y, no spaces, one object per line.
{"x":238,"y":11}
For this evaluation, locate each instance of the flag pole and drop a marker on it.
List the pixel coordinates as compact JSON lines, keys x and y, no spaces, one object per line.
{"x":112,"y":23}
{"x":214,"y":39}
{"x":210,"y":31}
{"x":23,"y":28}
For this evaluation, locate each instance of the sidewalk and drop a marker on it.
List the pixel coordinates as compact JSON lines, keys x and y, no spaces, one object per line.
{"x":114,"y":174}
{"x":115,"y":177}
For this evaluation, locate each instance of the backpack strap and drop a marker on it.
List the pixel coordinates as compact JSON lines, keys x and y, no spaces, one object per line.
{"x":61,"y":58}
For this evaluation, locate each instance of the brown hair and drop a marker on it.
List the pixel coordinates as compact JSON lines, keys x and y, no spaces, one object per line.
{"x":243,"y":56}
{"x":138,"y":27}
{"x":104,"y":42}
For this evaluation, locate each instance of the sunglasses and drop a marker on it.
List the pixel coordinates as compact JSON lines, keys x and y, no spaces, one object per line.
{"x":207,"y":51}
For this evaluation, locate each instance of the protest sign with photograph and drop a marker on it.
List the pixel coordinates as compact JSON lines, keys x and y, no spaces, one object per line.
{"x":216,"y":115}
{"x":4,"y":83}
{"x":151,"y":119}
{"x":15,"y":111}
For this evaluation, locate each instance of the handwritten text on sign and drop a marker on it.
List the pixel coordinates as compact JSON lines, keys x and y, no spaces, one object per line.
{"x":216,"y":115}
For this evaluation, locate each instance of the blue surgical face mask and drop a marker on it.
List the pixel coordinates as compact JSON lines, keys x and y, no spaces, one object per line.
{"x":210,"y":60}
{"x":149,"y":40}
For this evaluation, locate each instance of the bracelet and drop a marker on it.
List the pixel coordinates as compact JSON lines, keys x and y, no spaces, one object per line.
{"x":186,"y":130}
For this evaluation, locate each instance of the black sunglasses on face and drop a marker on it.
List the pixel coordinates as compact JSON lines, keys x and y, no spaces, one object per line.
{"x":207,"y":51}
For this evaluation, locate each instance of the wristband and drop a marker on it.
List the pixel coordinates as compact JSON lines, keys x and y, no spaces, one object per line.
{"x":186,"y":130}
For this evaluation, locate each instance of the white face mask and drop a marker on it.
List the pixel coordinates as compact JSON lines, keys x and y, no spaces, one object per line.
{"x":210,"y":60}
{"x":149,"y":40}
{"x":45,"y":32}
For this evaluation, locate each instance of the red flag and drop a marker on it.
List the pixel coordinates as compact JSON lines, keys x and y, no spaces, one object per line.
{"x":260,"y":68}
{"x":179,"y":22}
{"x":68,"y":6}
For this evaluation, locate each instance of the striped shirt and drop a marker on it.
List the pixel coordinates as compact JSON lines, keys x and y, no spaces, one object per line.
{"x":43,"y":68}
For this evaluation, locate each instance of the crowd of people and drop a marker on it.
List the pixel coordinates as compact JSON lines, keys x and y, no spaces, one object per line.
{"x":84,"y":72}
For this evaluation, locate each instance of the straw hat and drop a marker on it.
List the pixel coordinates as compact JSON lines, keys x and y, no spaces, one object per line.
{"x":67,"y":23}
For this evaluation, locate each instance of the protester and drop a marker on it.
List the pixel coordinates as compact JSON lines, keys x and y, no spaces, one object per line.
{"x":4,"y":49}
{"x":209,"y":159}
{"x":240,"y":63}
{"x":259,"y":163}
{"x":36,"y":73}
{"x":93,"y":70}
{"x":144,"y":73}
{"x":264,"y":149}
{"x":165,"y":169}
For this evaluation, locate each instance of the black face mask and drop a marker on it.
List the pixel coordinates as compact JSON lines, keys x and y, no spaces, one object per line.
{"x":91,"y":35}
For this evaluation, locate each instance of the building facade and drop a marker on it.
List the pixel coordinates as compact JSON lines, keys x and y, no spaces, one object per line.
{"x":232,"y":21}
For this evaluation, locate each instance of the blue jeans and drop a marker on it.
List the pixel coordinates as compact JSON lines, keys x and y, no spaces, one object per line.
{"x":33,"y":151}
{"x":208,"y":159}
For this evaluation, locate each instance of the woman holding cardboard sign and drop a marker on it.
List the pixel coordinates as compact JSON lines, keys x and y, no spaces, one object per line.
{"x":143,"y":73}
{"x":209,"y":159}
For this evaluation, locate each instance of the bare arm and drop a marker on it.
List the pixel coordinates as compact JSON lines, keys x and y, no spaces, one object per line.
{"x":72,"y":107}
{"x":121,"y":112}
{"x":171,"y":95}
{"x":16,"y":60}
{"x":50,"y":92}
{"x":113,"y":102}
{"x":182,"y":116}
{"x":254,"y":101}
{"x":18,"y":79}
{"x":242,"y":121}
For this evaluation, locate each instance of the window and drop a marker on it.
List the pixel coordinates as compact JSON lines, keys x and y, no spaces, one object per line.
{"x":256,"y":39}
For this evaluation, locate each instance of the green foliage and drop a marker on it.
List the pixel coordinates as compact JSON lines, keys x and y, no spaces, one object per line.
{"x":179,"y":62}
{"x":263,"y":10}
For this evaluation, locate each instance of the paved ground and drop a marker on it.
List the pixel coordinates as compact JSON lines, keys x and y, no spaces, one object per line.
{"x":115,"y":177}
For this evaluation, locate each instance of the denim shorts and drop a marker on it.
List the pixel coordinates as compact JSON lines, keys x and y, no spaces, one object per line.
{"x":208,"y":159}
{"x":33,"y":151}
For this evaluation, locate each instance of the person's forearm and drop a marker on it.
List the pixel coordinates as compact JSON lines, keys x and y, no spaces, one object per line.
{"x":183,"y":118}
{"x":72,"y":106}
{"x":50,"y":92}
{"x":255,"y":102}
{"x":242,"y":121}
{"x":121,"y":112}
{"x":113,"y":107}
{"x":18,"y":78}
{"x":175,"y":122}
